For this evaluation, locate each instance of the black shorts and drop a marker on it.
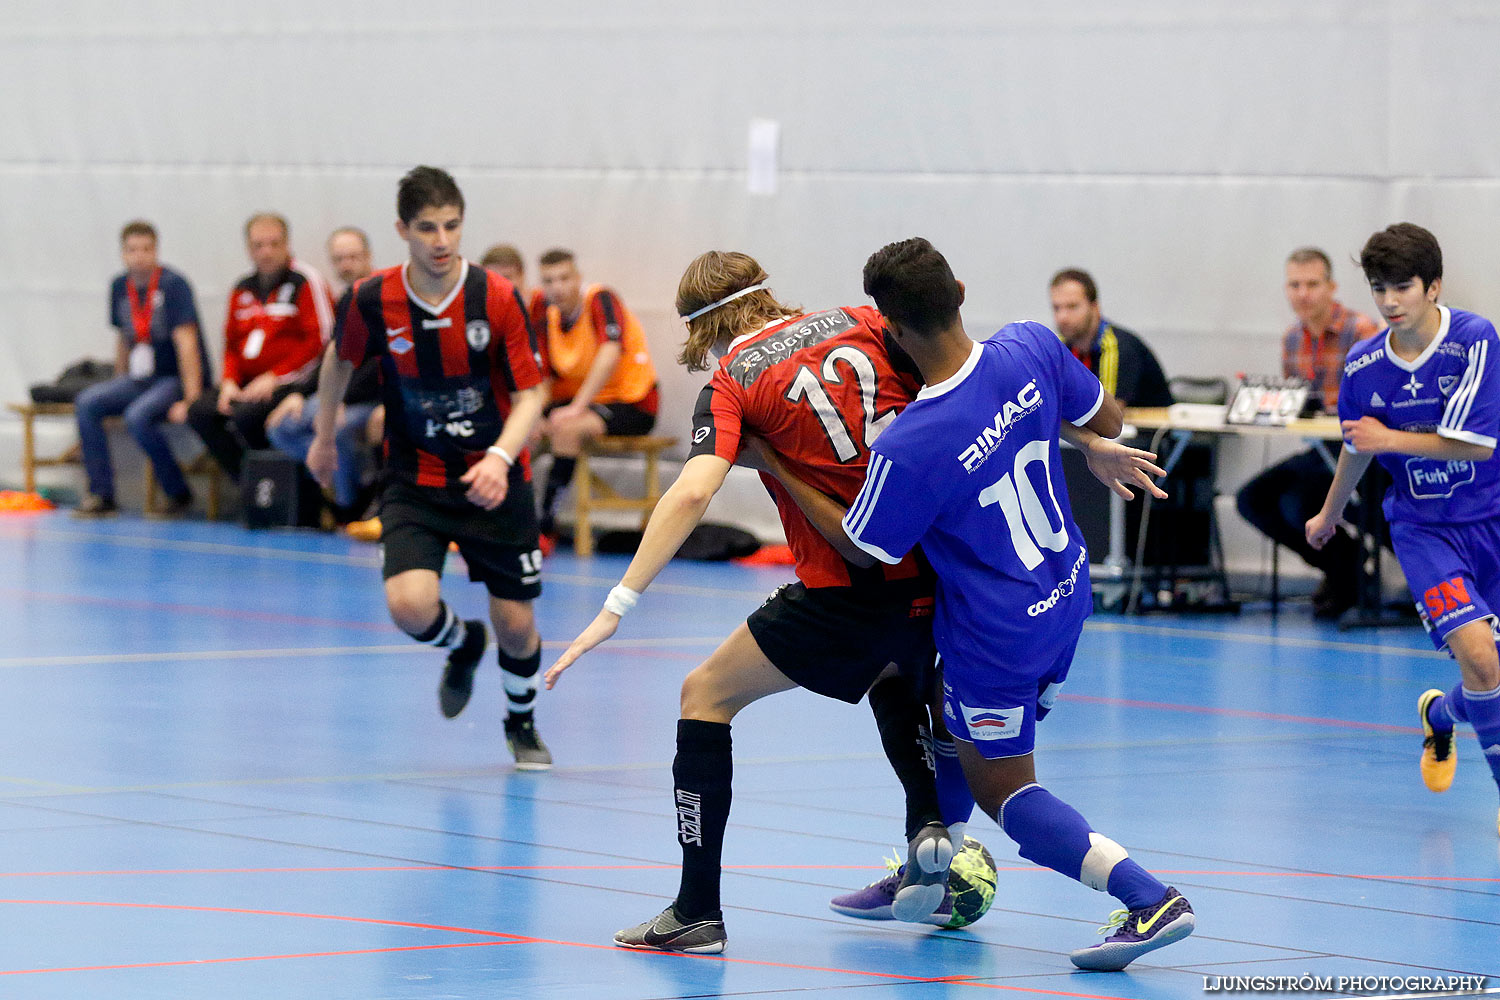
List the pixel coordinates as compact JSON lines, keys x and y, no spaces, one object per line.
{"x":835,"y":641}
{"x":500,"y":545}
{"x":620,"y":419}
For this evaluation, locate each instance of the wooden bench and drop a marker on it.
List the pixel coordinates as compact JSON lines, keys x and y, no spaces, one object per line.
{"x":592,"y":493}
{"x":203,"y":465}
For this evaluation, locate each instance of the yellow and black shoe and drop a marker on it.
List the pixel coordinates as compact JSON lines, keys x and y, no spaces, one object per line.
{"x":1438,"y":760}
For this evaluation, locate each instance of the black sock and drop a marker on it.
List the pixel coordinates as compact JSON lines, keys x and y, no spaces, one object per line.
{"x":701,"y":776}
{"x":447,"y":630}
{"x":557,"y":481}
{"x":520,"y":676}
{"x":907,"y":739}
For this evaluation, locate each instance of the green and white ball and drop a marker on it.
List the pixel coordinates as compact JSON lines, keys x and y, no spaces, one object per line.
{"x":971,"y":883}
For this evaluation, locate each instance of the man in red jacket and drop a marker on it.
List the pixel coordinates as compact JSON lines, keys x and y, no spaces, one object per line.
{"x":280,"y":316}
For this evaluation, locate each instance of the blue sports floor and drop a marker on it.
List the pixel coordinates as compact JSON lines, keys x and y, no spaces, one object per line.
{"x":225,"y":776}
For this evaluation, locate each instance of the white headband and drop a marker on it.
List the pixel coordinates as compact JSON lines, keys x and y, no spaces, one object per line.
{"x":726,"y":299}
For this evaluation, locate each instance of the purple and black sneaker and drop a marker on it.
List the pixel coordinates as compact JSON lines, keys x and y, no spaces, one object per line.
{"x":1132,"y":933}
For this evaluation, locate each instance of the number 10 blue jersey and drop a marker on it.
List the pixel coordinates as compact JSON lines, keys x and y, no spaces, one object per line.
{"x":972,"y":470}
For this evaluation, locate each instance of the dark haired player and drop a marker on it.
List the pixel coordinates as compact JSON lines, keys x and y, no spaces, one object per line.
{"x":1422,"y":401}
{"x":971,"y":471}
{"x":461,"y":385}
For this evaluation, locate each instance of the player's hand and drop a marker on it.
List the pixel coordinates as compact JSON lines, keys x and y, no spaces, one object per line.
{"x":1320,"y":528}
{"x":289,"y":408}
{"x":1366,"y":435}
{"x":260,"y":389}
{"x":323,"y":459}
{"x":599,"y":629}
{"x":756,"y":454}
{"x":488,"y":481}
{"x":177,"y":412}
{"x":1119,"y":467}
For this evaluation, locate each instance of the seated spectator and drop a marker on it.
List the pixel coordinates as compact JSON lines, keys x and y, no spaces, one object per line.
{"x":603,"y":381}
{"x":280,"y":316}
{"x":160,"y":367}
{"x":1281,"y":500}
{"x":290,"y":426}
{"x":506,"y":259}
{"x":1117,"y":357}
{"x":349,"y":253}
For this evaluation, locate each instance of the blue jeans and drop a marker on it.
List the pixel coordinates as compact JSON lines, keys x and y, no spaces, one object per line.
{"x":144,"y":404}
{"x":295,"y":437}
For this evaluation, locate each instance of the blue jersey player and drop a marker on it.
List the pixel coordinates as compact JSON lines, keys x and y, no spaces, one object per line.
{"x":971,"y":471}
{"x":1423,"y":401}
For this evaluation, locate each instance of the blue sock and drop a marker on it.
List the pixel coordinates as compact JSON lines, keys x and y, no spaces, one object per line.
{"x":955,"y":801}
{"x":1438,"y":715}
{"x":1453,"y":703}
{"x":1052,"y":833}
{"x":1484,"y":716}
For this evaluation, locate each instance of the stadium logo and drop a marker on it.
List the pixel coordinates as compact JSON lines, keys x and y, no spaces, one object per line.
{"x":993,"y":723}
{"x":1361,"y":362}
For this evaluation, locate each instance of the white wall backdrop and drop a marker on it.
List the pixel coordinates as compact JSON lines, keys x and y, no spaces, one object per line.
{"x":1176,"y":148}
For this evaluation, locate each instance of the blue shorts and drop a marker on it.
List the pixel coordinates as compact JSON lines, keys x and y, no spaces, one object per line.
{"x":1453,"y":571}
{"x":997,"y":710}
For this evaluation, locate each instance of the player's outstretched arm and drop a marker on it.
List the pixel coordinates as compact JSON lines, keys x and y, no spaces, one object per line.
{"x":1369,"y":436}
{"x":1346,"y":477}
{"x":825,"y":513}
{"x":1115,"y":465}
{"x":676,"y":515}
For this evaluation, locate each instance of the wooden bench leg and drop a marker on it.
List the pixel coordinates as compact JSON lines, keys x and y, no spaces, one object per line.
{"x":583,"y":528}
{"x":215,"y":478}
{"x":653,"y":488}
{"x":28,"y":451}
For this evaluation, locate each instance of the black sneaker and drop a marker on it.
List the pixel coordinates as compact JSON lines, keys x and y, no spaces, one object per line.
{"x":174,"y":509}
{"x":458,"y":674}
{"x":1132,"y":933}
{"x":525,"y":745}
{"x":96,"y":506}
{"x":668,"y":932}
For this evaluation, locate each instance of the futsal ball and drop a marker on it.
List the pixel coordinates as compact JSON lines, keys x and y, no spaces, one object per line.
{"x":971,"y":883}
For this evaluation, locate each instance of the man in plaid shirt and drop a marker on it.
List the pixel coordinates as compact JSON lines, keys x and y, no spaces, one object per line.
{"x":1276,"y":501}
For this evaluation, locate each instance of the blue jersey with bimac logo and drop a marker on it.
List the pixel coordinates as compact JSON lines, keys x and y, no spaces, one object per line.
{"x":971,"y":469}
{"x":1450,"y":390}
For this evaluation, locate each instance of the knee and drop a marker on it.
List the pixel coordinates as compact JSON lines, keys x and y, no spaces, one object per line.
{"x":515,"y":628}
{"x":411,"y":611}
{"x":704,"y":698}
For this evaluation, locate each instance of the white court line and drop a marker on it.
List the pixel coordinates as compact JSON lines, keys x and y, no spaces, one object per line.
{"x":224,"y":548}
{"x":332,"y":558}
{"x":190,"y":656}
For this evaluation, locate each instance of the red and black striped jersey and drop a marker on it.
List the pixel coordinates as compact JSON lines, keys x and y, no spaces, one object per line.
{"x":446,"y":371}
{"x":819,"y":388}
{"x":278,"y":326}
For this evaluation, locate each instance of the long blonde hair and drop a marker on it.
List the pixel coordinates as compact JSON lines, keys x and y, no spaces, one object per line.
{"x":709,"y":278}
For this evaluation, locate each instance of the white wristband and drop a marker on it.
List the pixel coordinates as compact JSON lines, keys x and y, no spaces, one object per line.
{"x":620,"y":600}
{"x":495,"y":449}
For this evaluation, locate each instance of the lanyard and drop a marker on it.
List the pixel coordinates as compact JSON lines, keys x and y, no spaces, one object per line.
{"x":140,"y":312}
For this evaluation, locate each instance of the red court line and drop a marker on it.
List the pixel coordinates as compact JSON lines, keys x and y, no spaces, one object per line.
{"x":255,"y":958}
{"x":1240,"y":713}
{"x":508,"y":939}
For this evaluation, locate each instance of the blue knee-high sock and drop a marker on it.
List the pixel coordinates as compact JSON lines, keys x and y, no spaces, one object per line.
{"x":955,"y":801}
{"x":1052,"y":833}
{"x":1484,"y":715}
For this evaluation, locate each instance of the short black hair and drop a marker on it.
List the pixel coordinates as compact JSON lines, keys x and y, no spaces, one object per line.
{"x":913,"y":285}
{"x":1078,"y":274}
{"x":1400,"y":252}
{"x":557,"y":255}
{"x":426,"y":187}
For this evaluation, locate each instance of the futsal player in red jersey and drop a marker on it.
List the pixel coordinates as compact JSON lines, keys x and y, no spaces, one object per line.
{"x":461,"y":384}
{"x":817,"y":387}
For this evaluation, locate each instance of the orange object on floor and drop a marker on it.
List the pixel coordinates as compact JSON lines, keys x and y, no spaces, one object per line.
{"x":768,"y":555}
{"x":20,"y":502}
{"x":364,"y":531}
